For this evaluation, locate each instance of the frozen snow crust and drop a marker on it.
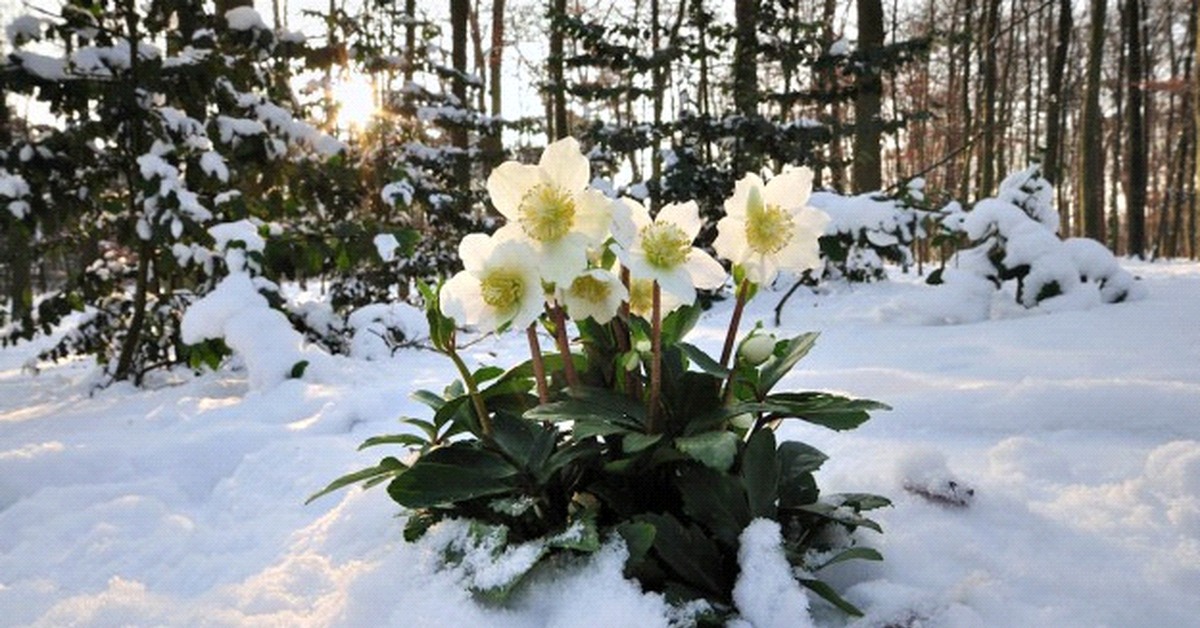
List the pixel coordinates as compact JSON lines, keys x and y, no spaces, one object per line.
{"x":181,"y":504}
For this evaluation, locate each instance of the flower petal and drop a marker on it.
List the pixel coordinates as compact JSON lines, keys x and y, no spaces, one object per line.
{"x":462,"y":300}
{"x":593,"y":216}
{"x":736,"y":205}
{"x":624,"y":230}
{"x":565,"y":165}
{"x":508,"y":184}
{"x":706,"y":272}
{"x":475,"y":249}
{"x":790,"y":189}
{"x":678,"y":285}
{"x":686,"y":216}
{"x":730,"y":243}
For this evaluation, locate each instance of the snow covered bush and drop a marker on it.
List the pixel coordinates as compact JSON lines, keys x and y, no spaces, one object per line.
{"x":1014,"y":237}
{"x":640,"y":436}
{"x":865,"y":231}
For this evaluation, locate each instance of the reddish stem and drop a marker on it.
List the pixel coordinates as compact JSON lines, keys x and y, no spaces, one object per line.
{"x":539,"y":366}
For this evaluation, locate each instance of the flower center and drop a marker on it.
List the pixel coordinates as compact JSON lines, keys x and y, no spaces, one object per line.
{"x":641,"y":296}
{"x":502,"y":289}
{"x":665,"y":245}
{"x":546,"y":213}
{"x":590,"y":289}
{"x":768,"y":228}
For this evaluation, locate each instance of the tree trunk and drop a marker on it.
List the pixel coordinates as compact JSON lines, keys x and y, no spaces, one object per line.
{"x":1135,"y":160}
{"x":558,"y":90}
{"x":1192,"y":231}
{"x":1054,"y":109}
{"x":868,"y":174}
{"x":987,"y":150}
{"x":1091,"y":175}
{"x":745,"y":77}
{"x":459,"y":10}
{"x":410,"y":40}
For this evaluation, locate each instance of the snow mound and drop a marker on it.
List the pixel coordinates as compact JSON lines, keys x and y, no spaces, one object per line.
{"x":766,"y":593}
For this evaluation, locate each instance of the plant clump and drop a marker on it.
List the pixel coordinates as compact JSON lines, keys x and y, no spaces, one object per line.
{"x":626,"y":431}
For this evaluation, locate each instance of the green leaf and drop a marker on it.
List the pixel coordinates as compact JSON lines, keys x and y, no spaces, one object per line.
{"x":715,"y":450}
{"x":298,"y":369}
{"x":529,"y":444}
{"x":410,"y":440}
{"x":678,"y":323}
{"x":703,"y":361}
{"x":760,"y":474}
{"x":595,"y":405}
{"x":690,"y":553}
{"x":797,"y":461}
{"x":844,"y":516}
{"x":859,"y":501}
{"x":452,"y":474}
{"x":387,"y":466}
{"x":716,"y":500}
{"x":854,"y":553}
{"x":429,"y":398}
{"x":832,"y":411}
{"x":639,"y":538}
{"x":787,"y":354}
{"x":636,"y":441}
{"x":831,"y":596}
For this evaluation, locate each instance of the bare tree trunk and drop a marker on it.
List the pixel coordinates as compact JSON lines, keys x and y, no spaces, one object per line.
{"x":868,"y":175}
{"x":1135,"y":193}
{"x":987,"y":150}
{"x":410,"y":40}
{"x":558,"y":94}
{"x":745,"y":75}
{"x":1054,"y":109}
{"x":1091,"y":175}
{"x":829,"y":80}
{"x":1192,"y":231}
{"x":459,"y":10}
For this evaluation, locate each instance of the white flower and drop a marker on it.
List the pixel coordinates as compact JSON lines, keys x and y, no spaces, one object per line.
{"x":769,"y":227}
{"x":662,"y":250}
{"x":641,"y":298}
{"x":497,"y":287}
{"x":551,"y":207}
{"x":595,"y":294}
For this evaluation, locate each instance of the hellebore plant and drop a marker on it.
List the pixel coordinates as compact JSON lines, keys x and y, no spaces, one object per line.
{"x":628,"y":430}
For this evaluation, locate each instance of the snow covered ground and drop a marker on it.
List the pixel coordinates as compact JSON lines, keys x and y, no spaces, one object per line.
{"x":1079,"y":432}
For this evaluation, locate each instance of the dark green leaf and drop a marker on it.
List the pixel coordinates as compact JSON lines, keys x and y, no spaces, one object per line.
{"x":797,"y":461}
{"x":636,"y":441}
{"x":429,"y":398}
{"x":760,"y":474}
{"x":452,"y":474}
{"x":716,"y":500}
{"x":787,"y":354}
{"x":639,"y":538}
{"x":831,"y":596}
{"x":716,"y":450}
{"x":690,"y":553}
{"x":593,"y":404}
{"x":854,"y":553}
{"x":298,"y":369}
{"x":832,"y":411}
{"x":410,"y":440}
{"x":387,"y":466}
{"x":860,"y":501}
{"x":703,"y":361}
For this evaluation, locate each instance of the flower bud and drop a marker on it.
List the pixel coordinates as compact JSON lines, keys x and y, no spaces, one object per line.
{"x":756,"y":348}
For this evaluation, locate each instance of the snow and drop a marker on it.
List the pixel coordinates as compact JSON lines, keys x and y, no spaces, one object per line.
{"x":23,"y":28}
{"x":244,"y":19}
{"x":386,"y":245}
{"x":766,"y":594}
{"x":182,"y":504}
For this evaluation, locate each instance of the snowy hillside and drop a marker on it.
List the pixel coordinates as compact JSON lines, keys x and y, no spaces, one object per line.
{"x":1077,"y":431}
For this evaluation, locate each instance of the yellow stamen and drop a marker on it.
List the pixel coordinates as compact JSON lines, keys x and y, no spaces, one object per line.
{"x":768,"y":227}
{"x":546,"y":212}
{"x":590,"y":289}
{"x":665,"y":245}
{"x":502,"y":289}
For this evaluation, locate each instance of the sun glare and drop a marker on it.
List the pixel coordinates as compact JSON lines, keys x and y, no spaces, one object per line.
{"x":355,"y":97}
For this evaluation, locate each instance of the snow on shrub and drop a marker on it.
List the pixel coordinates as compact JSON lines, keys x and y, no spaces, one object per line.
{"x":864,"y":232}
{"x":381,"y":328}
{"x":1014,"y":238}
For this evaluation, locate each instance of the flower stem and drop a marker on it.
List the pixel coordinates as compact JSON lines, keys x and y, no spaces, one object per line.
{"x":656,"y":357}
{"x":621,"y":330}
{"x":539,"y":366}
{"x":485,"y":421}
{"x":564,"y":347}
{"x":734,"y":322}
